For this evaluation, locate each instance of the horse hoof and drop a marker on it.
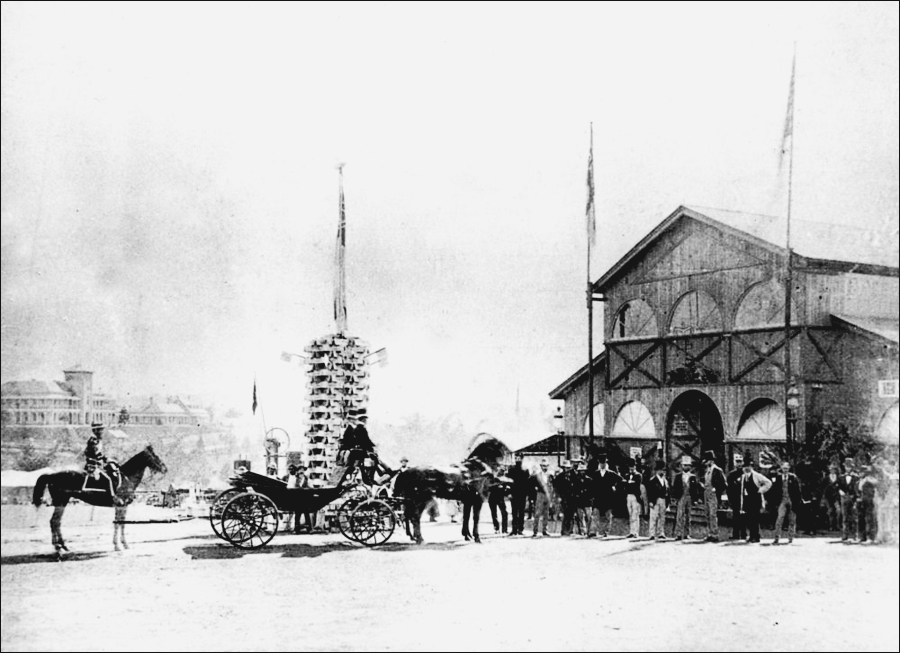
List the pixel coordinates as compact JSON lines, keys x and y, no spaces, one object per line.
{"x":477,"y":540}
{"x":124,"y":545}
{"x":118,"y":548}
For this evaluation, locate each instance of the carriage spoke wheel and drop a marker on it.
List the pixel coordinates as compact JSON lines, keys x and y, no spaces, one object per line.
{"x":249,"y":520}
{"x":217,"y":507}
{"x":343,"y":517}
{"x":372,"y":522}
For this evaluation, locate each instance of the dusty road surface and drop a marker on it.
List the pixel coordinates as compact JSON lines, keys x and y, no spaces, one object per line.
{"x":181,"y":589}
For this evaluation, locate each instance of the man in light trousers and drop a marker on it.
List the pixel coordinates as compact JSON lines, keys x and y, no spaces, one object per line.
{"x":714,"y":484}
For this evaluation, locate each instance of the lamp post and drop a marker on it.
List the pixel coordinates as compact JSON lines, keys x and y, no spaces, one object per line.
{"x":793,"y":403}
{"x":560,"y":432}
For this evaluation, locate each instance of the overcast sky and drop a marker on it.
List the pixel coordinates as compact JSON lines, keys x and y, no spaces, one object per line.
{"x":169,"y":192}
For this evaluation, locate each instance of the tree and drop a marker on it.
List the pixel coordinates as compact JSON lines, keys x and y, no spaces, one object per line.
{"x":30,"y":460}
{"x":124,"y":416}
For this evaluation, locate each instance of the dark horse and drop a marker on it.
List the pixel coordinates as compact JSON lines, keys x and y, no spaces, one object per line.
{"x":67,"y":485}
{"x":468,"y":483}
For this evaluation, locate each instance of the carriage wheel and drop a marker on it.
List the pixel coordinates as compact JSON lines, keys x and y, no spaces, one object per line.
{"x":342,"y":516}
{"x":372,"y":522}
{"x":249,"y":520}
{"x":217,"y":507}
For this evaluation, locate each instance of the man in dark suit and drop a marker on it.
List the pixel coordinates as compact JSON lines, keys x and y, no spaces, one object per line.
{"x":868,"y":485}
{"x":605,"y":483}
{"x":738,"y":529}
{"x":714,"y":484}
{"x":658,"y":501}
{"x":848,"y":490}
{"x":753,"y":486}
{"x":685,"y":491}
{"x":786,"y":493}
{"x":518,"y":494}
{"x":635,"y":497}
{"x":831,"y":497}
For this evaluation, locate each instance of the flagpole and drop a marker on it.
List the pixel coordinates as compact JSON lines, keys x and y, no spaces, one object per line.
{"x":340,"y":290}
{"x":790,"y":423}
{"x":590,"y":294}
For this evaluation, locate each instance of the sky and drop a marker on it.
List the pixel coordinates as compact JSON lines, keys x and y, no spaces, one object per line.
{"x":170,"y":193}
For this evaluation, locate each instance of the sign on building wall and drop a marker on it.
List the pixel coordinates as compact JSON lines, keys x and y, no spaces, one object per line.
{"x":889,"y":388}
{"x":634,"y":453}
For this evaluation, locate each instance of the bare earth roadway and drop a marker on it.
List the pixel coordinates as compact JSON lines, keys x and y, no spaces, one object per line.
{"x":180,"y":589}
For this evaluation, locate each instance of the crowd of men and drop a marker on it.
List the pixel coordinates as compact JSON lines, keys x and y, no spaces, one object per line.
{"x":584,"y":499}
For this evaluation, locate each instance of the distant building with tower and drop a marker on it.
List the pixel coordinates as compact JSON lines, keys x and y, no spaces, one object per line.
{"x":694,"y":334}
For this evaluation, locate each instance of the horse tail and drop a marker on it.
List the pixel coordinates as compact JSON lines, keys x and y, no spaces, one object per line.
{"x":38,"y":498}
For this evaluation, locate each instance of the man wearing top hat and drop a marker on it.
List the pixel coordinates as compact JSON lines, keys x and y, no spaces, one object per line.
{"x":658,"y":501}
{"x":738,"y":529}
{"x":714,"y":484}
{"x":635,"y":496}
{"x":604,"y":484}
{"x":848,"y":490}
{"x":753,"y":486}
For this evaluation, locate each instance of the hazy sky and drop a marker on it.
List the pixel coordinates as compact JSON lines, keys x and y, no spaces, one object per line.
{"x":169,"y":192}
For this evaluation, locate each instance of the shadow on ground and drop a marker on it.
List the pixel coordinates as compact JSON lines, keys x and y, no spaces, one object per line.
{"x":221,"y":551}
{"x":32,"y":558}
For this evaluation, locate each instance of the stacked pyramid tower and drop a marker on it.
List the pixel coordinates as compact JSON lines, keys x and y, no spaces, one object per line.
{"x":338,"y":381}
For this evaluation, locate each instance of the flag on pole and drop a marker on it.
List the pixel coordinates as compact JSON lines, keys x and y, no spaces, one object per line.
{"x":254,"y":397}
{"x":340,"y":291}
{"x":788,"y":119}
{"x":591,"y":218}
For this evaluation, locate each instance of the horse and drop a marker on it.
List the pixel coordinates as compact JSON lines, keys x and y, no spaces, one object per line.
{"x":67,"y":485}
{"x":468,"y":483}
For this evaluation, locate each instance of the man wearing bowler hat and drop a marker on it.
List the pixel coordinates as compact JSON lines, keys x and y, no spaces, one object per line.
{"x":714,"y":484}
{"x":685,"y":490}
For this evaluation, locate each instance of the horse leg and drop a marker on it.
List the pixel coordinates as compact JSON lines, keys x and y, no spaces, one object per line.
{"x":413,"y":514}
{"x":467,"y":510}
{"x":119,"y":529}
{"x":56,"y":532}
{"x":476,"y":516}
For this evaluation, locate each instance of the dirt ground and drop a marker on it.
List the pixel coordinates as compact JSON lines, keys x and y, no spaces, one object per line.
{"x":180,"y":588}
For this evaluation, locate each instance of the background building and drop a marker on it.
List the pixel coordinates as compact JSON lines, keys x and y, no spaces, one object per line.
{"x":694,"y":333}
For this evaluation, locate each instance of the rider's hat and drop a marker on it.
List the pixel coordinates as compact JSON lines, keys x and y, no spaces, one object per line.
{"x":96,"y":425}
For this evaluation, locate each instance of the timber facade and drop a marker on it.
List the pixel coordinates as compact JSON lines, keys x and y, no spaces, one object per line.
{"x":694,"y":334}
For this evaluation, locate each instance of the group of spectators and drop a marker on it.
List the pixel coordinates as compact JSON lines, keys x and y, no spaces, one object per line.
{"x":860,"y":501}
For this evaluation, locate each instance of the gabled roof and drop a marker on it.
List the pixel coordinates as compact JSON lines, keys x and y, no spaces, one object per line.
{"x":563,"y":388}
{"x":548,"y":445}
{"x":882,"y":328}
{"x":35,"y":388}
{"x":851,"y":247}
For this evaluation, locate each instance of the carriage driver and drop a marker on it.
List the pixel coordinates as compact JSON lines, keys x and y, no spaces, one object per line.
{"x":95,"y":459}
{"x":360,"y":450}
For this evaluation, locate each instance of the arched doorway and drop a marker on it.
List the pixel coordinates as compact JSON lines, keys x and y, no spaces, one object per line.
{"x":693,"y":426}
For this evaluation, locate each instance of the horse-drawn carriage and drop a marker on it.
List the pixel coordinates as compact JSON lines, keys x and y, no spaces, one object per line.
{"x":248,"y":514}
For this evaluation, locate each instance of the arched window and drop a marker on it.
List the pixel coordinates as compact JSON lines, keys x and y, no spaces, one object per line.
{"x":598,"y":421}
{"x":888,"y":429}
{"x":635,"y":319}
{"x":763,"y":306}
{"x":695,"y":312}
{"x":634,"y":421}
{"x":763,"y":419}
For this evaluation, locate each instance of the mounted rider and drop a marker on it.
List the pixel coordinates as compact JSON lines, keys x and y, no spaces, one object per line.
{"x":358,"y":451}
{"x":96,"y":462}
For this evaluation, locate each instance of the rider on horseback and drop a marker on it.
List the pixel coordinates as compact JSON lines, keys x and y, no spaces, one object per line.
{"x":95,"y":461}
